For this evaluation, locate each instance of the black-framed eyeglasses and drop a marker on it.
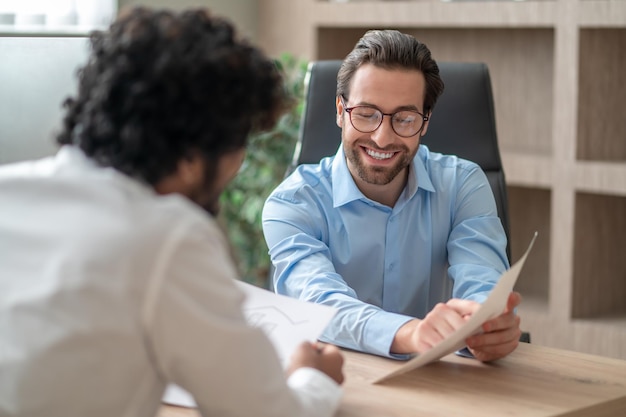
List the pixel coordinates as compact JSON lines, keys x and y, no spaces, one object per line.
{"x":366,"y":119}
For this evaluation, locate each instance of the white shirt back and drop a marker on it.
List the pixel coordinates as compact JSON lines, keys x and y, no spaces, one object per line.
{"x":109,"y":291}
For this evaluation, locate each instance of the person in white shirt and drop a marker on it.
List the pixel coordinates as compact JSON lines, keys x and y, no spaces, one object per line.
{"x":115,"y":279}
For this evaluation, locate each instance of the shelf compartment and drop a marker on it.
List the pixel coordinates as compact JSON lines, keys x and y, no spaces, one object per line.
{"x":522,"y":92}
{"x":538,"y":13}
{"x":601,"y":177}
{"x":529,"y":210}
{"x":527,"y":170}
{"x":602,"y":94}
{"x":599,"y":281}
{"x":602,"y":13}
{"x":604,"y":336}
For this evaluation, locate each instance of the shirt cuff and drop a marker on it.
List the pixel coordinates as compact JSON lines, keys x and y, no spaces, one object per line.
{"x":318,"y":393}
{"x":379,"y":332}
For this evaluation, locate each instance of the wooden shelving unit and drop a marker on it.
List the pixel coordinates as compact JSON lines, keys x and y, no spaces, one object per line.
{"x":558,"y":70}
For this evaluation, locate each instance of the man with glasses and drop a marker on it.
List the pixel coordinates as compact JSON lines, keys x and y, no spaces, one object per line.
{"x":405,"y":242}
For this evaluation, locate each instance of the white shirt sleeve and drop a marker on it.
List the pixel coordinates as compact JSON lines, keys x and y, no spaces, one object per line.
{"x":199,"y":339}
{"x":318,"y":393}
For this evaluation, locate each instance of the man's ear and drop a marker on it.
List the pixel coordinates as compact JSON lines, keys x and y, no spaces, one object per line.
{"x":191,"y":170}
{"x":339,"y":116}
{"x":426,"y":123}
{"x":188,"y":176}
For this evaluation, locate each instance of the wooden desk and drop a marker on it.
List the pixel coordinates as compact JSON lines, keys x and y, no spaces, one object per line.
{"x":532,"y":381}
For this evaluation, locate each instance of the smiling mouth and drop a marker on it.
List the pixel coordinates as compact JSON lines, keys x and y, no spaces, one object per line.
{"x":381,"y":156}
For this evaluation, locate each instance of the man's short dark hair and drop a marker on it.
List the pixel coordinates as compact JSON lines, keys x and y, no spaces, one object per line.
{"x":391,"y":49}
{"x":161,"y":86}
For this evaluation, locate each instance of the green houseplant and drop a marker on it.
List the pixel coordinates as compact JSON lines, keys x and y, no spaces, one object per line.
{"x":267,"y":158}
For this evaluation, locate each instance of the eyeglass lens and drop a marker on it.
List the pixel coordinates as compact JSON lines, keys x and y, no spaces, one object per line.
{"x":368,"y":119}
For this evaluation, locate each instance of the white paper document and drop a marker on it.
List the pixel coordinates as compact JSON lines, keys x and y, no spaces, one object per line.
{"x":286,"y":321}
{"x":492,"y":307}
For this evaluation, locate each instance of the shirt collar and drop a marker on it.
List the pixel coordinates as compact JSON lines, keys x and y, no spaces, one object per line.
{"x":71,"y":157}
{"x":346,"y":191}
{"x":418,"y":168}
{"x":344,"y":187}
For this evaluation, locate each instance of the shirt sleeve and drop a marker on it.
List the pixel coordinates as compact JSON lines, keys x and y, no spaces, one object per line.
{"x":200,"y":340}
{"x":304,"y":270}
{"x":317,"y":392}
{"x":477,"y":242}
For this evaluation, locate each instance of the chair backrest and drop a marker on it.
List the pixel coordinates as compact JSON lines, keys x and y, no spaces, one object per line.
{"x":463,"y":122}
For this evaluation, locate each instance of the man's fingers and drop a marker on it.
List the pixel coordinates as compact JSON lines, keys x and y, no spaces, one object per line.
{"x":513,"y":301}
{"x":508,"y":318}
{"x":463,"y":307}
{"x":503,"y":321}
{"x":495,"y":345}
{"x":442,"y":321}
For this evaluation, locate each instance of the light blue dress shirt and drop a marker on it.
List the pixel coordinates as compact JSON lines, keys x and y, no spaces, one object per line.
{"x":381,"y":266}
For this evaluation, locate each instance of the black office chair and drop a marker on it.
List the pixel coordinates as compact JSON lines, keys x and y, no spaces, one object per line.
{"x":463,"y":122}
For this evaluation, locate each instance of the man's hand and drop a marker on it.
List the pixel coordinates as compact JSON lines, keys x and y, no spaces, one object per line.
{"x":499,"y":338}
{"x":323,"y":357}
{"x":418,"y":336}
{"x":500,"y":335}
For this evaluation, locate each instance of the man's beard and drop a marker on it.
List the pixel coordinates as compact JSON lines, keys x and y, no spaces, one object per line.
{"x":207,"y":197}
{"x":376,"y":175}
{"x":213,"y":208}
{"x":210,"y":202}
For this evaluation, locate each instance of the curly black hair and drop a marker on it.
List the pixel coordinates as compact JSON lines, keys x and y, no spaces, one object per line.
{"x":161,"y":86}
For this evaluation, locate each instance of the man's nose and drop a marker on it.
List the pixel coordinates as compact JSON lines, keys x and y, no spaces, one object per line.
{"x":384,"y":135}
